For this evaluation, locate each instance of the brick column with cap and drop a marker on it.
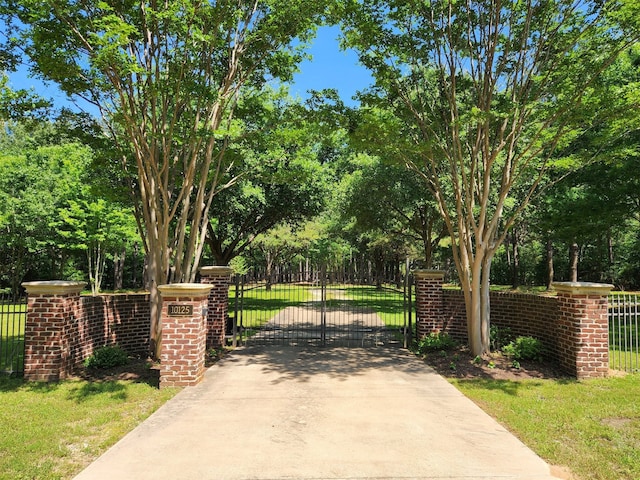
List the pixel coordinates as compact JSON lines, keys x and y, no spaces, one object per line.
{"x":429,"y":313}
{"x":51,"y":307}
{"x":184,"y":312}
{"x":583,"y":330}
{"x":219,"y":278}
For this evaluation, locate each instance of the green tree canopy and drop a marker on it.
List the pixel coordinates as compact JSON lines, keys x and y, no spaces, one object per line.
{"x":477,"y":97}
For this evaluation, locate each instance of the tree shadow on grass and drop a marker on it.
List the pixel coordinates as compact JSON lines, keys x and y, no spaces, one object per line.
{"x":91,"y":382}
{"x":115,"y":389}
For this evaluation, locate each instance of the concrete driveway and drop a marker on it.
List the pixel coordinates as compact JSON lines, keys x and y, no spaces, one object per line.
{"x":286,"y":413}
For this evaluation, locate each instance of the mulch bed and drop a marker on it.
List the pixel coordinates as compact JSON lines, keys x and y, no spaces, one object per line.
{"x":141,"y":370}
{"x":454,"y":363}
{"x":460,"y":363}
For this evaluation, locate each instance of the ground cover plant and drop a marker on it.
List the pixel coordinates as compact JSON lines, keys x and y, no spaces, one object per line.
{"x":57,"y":429}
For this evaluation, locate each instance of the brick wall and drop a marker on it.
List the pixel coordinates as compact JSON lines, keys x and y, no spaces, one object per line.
{"x":49,"y":309}
{"x":63,"y":328}
{"x":184,"y":333}
{"x":573,"y":325}
{"x":219,"y":277}
{"x":525,"y":315}
{"x":119,"y":319}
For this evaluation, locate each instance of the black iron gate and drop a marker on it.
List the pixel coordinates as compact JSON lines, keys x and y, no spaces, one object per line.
{"x":13,"y":314}
{"x":321,"y":313}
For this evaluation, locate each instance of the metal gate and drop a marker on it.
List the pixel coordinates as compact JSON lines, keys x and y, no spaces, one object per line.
{"x":624,"y":332}
{"x":321,"y":314}
{"x":13,"y":314}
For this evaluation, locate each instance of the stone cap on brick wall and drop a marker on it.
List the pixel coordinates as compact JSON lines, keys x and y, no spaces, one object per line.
{"x":185,"y":290}
{"x":53,"y":287}
{"x":437,"y":274}
{"x":216,"y":271}
{"x":582,"y":288}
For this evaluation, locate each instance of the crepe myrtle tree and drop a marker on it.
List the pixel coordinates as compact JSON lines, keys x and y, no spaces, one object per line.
{"x":165,"y":76}
{"x":478,"y":96}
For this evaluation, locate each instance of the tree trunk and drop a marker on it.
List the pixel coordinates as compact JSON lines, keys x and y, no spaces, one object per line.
{"x":515,"y":267}
{"x":269,"y":271}
{"x":610,"y":249}
{"x":550,"y":272}
{"x":118,"y":269}
{"x":574,"y":253}
{"x":134,"y":279}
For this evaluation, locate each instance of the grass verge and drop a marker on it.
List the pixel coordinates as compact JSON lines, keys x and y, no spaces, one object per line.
{"x":54,"y":430}
{"x":592,"y":427}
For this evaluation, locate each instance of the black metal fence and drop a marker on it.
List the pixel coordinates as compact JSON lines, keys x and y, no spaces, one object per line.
{"x":624,"y":332}
{"x":13,"y":315}
{"x":320,"y":313}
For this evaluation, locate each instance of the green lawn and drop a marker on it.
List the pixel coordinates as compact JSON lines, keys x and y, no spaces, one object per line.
{"x":388,"y":304}
{"x":12,"y":321}
{"x":592,"y":427}
{"x":260,"y":305}
{"x":53,"y":431}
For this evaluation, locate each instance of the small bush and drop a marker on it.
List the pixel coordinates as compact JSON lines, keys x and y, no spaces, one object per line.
{"x":107,"y":357}
{"x":524,"y":348}
{"x":499,"y":337}
{"x":435,"y":342}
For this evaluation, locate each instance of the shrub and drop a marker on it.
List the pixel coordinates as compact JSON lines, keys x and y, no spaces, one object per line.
{"x":107,"y":357}
{"x":499,"y":337}
{"x":435,"y":342}
{"x":524,"y":348}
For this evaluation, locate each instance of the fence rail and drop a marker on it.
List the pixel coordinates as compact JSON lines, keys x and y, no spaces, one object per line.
{"x":13,"y":314}
{"x":624,"y":332}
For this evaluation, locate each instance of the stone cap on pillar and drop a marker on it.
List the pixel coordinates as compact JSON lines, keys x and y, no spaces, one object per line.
{"x":216,"y":271}
{"x":435,"y":274}
{"x":582,"y":288}
{"x":185,"y":290}
{"x":53,"y":287}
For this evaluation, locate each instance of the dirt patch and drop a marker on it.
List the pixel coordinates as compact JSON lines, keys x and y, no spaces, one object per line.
{"x":460,"y":363}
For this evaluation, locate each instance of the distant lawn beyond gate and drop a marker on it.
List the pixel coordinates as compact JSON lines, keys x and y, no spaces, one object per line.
{"x":366,"y":308}
{"x":386,"y":302}
{"x":13,"y":317}
{"x":259,"y":305}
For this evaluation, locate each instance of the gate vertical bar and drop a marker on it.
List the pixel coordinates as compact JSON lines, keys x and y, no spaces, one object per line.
{"x":234,"y":333}
{"x":323,"y":306}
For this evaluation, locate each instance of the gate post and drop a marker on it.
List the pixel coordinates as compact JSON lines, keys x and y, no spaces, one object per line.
{"x":219,"y":277}
{"x":184,"y":307}
{"x":429,"y":313}
{"x":583,"y":330}
{"x":51,"y":307}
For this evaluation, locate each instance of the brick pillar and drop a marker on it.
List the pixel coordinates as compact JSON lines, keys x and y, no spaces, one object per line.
{"x":184,"y":307}
{"x":219,"y":278}
{"x":51,"y":308}
{"x":429,"y":314}
{"x":583,"y":343}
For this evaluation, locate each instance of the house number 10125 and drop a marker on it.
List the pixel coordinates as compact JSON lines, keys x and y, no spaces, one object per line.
{"x":177,"y":310}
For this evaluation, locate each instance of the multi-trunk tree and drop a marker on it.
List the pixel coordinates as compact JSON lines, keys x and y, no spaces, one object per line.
{"x":477,"y":97}
{"x":166,"y":77}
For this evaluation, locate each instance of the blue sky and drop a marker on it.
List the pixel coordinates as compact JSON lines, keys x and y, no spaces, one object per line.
{"x":329,"y":68}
